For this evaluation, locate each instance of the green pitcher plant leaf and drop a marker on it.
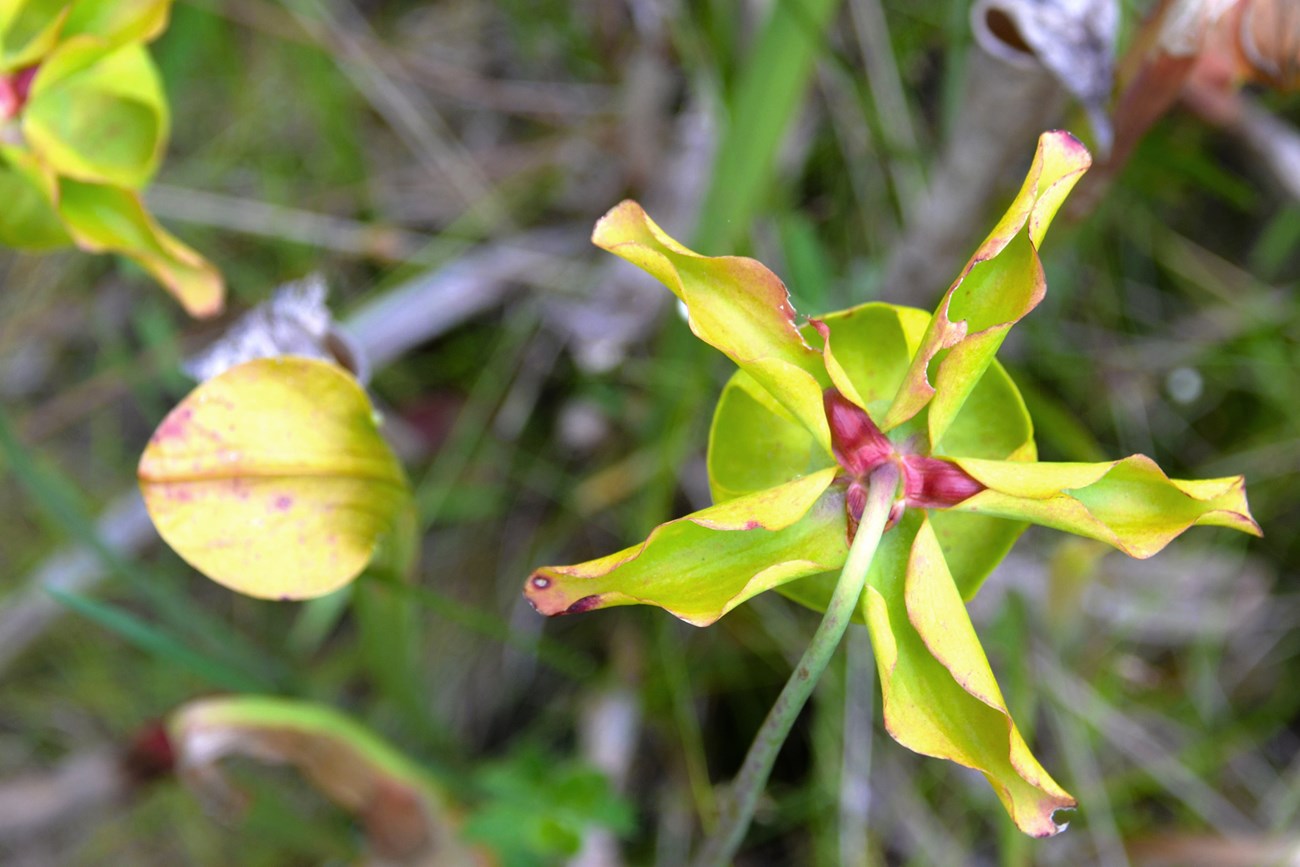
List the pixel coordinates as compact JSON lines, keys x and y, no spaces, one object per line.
{"x":273,"y":480}
{"x":817,"y":407}
{"x":408,"y":818}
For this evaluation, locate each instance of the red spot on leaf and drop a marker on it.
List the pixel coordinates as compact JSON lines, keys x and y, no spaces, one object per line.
{"x":283,"y":503}
{"x":176,"y":426}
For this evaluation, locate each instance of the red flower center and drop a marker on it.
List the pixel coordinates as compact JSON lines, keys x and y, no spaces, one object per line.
{"x":860,"y":447}
{"x":14,"y":90}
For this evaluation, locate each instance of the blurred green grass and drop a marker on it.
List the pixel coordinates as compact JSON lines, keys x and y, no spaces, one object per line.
{"x":1188,"y":268}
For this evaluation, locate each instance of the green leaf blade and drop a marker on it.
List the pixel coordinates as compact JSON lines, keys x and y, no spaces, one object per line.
{"x":407,"y":816}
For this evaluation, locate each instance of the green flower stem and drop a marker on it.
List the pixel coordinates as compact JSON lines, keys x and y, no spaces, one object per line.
{"x":739,"y":812}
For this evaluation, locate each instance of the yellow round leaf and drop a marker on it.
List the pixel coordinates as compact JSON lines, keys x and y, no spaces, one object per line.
{"x":273,"y":480}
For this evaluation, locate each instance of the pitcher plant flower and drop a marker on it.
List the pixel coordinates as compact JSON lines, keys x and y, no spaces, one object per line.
{"x":83,"y":126}
{"x":817,"y":408}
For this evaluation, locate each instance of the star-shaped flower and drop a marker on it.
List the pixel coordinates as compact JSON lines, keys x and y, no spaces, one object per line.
{"x":814,"y":409}
{"x":83,"y":127}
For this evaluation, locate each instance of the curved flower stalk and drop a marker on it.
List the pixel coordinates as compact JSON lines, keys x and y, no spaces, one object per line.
{"x":83,"y":126}
{"x":816,"y":408}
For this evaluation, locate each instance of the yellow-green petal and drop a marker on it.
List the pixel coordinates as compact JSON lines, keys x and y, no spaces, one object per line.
{"x":1001,"y":283}
{"x":273,"y":480}
{"x":29,"y":29}
{"x":1130,"y":503}
{"x":940,"y":696}
{"x":98,"y":114}
{"x":105,"y":219}
{"x":734,"y":304}
{"x":703,"y":565}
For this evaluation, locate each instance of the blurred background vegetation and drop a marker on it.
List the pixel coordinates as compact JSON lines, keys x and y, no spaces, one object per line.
{"x":441,"y":164}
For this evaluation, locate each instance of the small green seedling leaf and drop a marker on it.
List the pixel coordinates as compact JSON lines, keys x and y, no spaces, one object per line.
{"x":408,"y":819}
{"x":538,"y":808}
{"x":273,"y":480}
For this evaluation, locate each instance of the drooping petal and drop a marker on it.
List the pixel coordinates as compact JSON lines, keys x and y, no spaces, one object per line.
{"x":1130,"y":503}
{"x":273,"y":480}
{"x":103,"y":219}
{"x":703,"y":565}
{"x":407,"y":817}
{"x":734,"y":304}
{"x":940,"y":696}
{"x":1001,"y":283}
